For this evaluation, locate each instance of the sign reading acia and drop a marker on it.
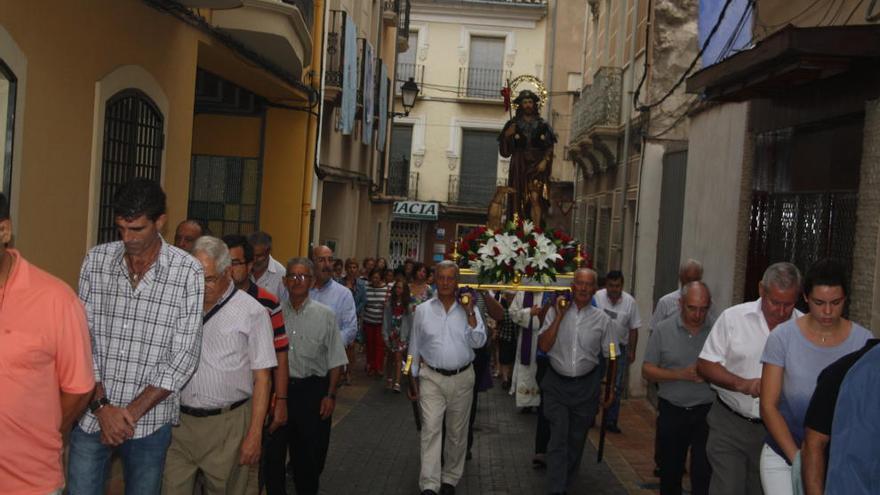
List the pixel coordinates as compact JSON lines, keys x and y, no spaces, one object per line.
{"x":416,"y":209}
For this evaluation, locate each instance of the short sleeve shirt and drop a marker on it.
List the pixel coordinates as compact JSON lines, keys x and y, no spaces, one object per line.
{"x":672,"y":346}
{"x":44,"y":348}
{"x":315,"y":342}
{"x":802,"y":361}
{"x":624,"y":314}
{"x":583,"y":335}
{"x":273,"y":306}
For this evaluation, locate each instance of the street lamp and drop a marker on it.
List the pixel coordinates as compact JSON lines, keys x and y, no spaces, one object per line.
{"x":408,"y":91}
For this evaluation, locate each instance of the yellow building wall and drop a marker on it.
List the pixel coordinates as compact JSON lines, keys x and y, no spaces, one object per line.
{"x":281,"y":202}
{"x":67,"y":53}
{"x":226,"y":135}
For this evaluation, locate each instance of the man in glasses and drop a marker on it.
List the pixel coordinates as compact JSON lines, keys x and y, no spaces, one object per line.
{"x":316,"y":358}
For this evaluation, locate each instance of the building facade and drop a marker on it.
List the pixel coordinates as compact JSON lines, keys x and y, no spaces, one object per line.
{"x":211,"y":101}
{"x":787,"y":155}
{"x":361,"y":48}
{"x":444,"y":156}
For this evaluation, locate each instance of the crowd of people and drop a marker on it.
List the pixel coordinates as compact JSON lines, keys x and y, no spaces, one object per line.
{"x":210,"y":367}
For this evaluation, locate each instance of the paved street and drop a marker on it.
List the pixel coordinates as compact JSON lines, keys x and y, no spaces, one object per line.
{"x":374,"y":448}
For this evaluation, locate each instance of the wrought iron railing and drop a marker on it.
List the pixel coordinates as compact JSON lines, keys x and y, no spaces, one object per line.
{"x":403,"y":8}
{"x":306,"y":8}
{"x":398,"y":177}
{"x":473,"y":190}
{"x":478,"y":82}
{"x":335,"y":49}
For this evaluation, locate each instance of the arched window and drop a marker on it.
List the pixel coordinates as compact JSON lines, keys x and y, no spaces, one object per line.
{"x":7,"y":126}
{"x":133,"y":142}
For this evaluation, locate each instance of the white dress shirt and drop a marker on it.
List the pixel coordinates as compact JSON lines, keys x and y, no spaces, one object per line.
{"x":582,"y":335}
{"x":273,"y":279}
{"x":444,"y":339}
{"x":736,"y":342}
{"x":624,"y":314}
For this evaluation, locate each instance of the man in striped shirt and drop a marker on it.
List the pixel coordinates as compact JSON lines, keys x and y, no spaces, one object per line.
{"x":224,"y":404}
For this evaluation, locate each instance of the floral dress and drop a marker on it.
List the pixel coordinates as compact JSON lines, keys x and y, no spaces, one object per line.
{"x":396,"y":326}
{"x":416,"y":299}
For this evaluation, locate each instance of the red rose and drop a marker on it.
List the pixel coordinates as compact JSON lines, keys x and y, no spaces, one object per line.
{"x":533,"y":243}
{"x":560,"y":264}
{"x":538,"y":230}
{"x":496,"y":250}
{"x":530,"y":270}
{"x":557,"y":233}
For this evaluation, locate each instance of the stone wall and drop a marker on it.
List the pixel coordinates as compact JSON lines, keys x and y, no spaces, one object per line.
{"x":864,"y":304}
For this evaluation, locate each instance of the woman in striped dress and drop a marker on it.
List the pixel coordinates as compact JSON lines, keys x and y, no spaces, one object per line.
{"x":373,"y":316}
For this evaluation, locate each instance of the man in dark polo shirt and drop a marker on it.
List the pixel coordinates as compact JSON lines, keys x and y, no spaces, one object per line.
{"x":684,"y":398}
{"x":820,"y":416}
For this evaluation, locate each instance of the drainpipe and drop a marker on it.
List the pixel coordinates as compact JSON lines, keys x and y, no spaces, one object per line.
{"x":627,"y":107}
{"x":310,"y":187}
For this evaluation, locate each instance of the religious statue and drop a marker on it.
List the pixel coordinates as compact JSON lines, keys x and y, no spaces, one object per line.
{"x":528,"y":141}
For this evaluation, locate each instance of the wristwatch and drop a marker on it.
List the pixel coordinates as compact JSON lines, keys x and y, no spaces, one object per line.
{"x":98,"y":404}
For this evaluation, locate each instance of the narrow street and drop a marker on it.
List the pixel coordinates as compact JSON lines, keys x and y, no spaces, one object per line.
{"x":374,"y":449}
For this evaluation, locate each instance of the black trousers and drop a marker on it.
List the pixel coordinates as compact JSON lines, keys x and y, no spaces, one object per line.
{"x":306,"y":437}
{"x":542,"y":432}
{"x":681,"y":429}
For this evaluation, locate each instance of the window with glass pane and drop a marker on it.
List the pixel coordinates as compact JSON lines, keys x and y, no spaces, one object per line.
{"x":485,"y":73}
{"x":224,"y":192}
{"x":479,"y":167}
{"x":399,"y":160}
{"x":7,"y":126}
{"x":133,"y":143}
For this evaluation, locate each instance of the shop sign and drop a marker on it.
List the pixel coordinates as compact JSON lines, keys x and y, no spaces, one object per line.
{"x":418,"y":210}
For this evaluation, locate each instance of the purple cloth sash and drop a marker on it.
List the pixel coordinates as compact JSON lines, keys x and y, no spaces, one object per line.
{"x":525,"y":354}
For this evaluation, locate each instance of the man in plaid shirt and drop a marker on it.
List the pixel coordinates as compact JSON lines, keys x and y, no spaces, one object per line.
{"x":143,"y":301}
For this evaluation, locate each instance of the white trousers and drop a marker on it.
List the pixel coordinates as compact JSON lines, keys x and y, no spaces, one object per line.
{"x":775,"y":473}
{"x":451,"y":396}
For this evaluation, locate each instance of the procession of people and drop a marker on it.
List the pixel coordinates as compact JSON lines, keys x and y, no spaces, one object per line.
{"x":210,"y":367}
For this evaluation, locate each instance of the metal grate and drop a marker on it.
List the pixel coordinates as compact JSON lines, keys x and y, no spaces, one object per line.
{"x":225,"y":193}
{"x":477,"y":82}
{"x":799,"y":228}
{"x":406,"y":242}
{"x":133,"y":143}
{"x":603,"y":240}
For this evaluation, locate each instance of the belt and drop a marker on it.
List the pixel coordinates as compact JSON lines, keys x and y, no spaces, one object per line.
{"x":688,"y":408}
{"x":756,"y":421}
{"x":203,"y":413}
{"x":567,"y":378}
{"x":449,"y":372}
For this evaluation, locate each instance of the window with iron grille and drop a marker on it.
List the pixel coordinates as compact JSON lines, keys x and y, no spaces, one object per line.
{"x":224,"y":192}
{"x":485,"y":72}
{"x":133,"y":143}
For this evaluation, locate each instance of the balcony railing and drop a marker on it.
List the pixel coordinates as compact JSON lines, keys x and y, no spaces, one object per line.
{"x":389,"y":12}
{"x":599,"y":104}
{"x":335,"y":48}
{"x":473,"y":190}
{"x":401,"y":182}
{"x":406,"y":71}
{"x":477,"y":82}
{"x":306,"y":8}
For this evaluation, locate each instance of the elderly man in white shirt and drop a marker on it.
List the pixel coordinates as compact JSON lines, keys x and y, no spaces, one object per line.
{"x":444,"y":334}
{"x":224,"y":405}
{"x":573,"y":335}
{"x":731,"y":362}
{"x":267,"y":272}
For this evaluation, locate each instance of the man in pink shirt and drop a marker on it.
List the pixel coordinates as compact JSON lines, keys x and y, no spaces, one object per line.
{"x":45,"y":370}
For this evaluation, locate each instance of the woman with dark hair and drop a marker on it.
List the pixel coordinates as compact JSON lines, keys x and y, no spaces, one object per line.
{"x":419,"y":288}
{"x":395,"y":329}
{"x":381,"y":264}
{"x":373,"y":315}
{"x":795,"y":353}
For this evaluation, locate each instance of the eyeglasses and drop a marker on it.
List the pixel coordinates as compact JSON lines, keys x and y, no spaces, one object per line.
{"x":297,"y":277}
{"x":238,"y":262}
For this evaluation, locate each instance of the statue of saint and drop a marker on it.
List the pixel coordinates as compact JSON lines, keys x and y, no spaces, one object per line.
{"x":528,"y":141}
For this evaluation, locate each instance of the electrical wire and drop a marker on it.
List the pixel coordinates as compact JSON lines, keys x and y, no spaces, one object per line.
{"x":693,"y":63}
{"x":731,"y":41}
{"x":646,"y":64}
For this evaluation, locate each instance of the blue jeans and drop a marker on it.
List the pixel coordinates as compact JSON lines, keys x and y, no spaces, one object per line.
{"x":613,"y":411}
{"x":143,"y":461}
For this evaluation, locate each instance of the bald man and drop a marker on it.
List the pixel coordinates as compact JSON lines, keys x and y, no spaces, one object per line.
{"x":333,"y":294}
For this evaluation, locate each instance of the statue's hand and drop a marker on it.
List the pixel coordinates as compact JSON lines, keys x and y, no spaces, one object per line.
{"x":510,"y":131}
{"x":541,"y":166}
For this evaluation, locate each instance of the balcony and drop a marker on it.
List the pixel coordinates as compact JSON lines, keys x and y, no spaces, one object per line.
{"x":406,"y":71}
{"x":402,"y":183}
{"x":596,"y":120}
{"x":390,"y":10}
{"x":334,"y":58}
{"x":480,"y":83}
{"x":277,"y":30}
